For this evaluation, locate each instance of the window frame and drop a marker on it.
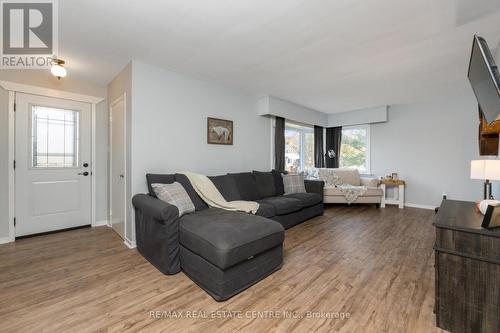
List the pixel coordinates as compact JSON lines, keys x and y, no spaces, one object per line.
{"x":367,"y":128}
{"x":303,"y":130}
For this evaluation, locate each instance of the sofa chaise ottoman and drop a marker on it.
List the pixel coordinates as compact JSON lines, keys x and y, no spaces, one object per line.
{"x":222,"y":251}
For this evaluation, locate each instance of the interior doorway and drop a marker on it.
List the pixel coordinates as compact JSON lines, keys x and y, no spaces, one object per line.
{"x":117,"y":174}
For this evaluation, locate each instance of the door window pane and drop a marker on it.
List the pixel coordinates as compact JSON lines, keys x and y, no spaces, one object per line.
{"x":54,"y":134}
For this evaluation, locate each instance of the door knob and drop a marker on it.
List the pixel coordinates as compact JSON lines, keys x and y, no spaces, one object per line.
{"x":83,"y":174}
{"x":122,"y":176}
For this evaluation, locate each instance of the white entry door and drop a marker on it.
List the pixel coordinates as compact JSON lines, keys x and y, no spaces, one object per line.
{"x":53,"y":171}
{"x":117,"y":166}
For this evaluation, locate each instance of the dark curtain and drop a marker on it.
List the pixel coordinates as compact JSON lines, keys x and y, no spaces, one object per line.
{"x":333,"y":141}
{"x":319,"y":155}
{"x":279,"y":144}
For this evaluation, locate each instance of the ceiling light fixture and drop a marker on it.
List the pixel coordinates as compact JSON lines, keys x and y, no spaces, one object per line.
{"x":58,"y":69}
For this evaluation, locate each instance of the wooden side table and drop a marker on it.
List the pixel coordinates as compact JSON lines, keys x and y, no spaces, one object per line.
{"x":398,"y":198}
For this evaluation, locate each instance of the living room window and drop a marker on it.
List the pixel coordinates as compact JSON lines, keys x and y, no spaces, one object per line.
{"x":355,"y":148}
{"x":299,"y":148}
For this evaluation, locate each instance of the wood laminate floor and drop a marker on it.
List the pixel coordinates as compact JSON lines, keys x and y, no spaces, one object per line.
{"x":373,"y":265}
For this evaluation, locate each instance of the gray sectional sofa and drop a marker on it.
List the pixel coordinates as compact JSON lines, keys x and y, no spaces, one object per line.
{"x":224,"y":252}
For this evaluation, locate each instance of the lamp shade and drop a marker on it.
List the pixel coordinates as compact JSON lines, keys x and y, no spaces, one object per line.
{"x":485,"y":169}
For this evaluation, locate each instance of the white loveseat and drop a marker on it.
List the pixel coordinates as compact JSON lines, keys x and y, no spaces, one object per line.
{"x":333,"y":193}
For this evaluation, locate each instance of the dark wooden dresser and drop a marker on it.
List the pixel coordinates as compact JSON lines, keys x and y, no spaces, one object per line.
{"x":467,"y":270}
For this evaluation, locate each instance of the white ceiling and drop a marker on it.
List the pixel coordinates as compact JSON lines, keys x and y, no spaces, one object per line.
{"x":330,"y":55}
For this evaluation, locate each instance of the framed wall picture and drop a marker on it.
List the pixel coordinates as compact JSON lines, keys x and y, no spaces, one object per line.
{"x":219,"y":131}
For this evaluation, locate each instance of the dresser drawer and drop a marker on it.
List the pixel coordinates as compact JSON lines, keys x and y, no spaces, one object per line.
{"x":480,"y":247}
{"x":467,"y":294}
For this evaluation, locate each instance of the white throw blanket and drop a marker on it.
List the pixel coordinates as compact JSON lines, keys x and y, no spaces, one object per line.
{"x":211,"y":195}
{"x":351,"y":193}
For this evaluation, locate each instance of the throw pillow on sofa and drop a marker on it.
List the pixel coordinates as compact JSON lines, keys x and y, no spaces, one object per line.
{"x":176,"y":195}
{"x":265,"y":183}
{"x":294,"y":183}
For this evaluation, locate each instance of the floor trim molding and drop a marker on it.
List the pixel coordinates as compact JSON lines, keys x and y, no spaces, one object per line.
{"x":5,"y":240}
{"x":412,"y":205}
{"x":129,"y":244}
{"x":101,"y":223}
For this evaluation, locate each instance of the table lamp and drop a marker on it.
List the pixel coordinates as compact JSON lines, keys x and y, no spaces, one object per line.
{"x":486,"y":170}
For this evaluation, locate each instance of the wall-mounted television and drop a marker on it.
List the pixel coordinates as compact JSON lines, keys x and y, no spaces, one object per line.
{"x":485,"y":79}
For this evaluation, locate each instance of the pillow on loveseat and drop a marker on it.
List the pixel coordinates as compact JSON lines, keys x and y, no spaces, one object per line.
{"x":340,"y":176}
{"x":176,"y":195}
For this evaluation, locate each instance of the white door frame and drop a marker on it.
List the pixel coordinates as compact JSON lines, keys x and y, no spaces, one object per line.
{"x":121,"y":98}
{"x":12,"y":88}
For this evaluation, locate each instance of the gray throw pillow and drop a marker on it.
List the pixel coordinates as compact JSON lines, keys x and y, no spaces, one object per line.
{"x":294,"y":183}
{"x":176,"y":195}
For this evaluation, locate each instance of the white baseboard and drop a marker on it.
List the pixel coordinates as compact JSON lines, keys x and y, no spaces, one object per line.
{"x":130,"y":244}
{"x":5,"y":240}
{"x":419,"y":206}
{"x":101,"y":223}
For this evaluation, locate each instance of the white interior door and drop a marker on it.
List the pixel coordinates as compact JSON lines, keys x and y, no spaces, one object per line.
{"x":117,"y":163}
{"x":53,"y":171}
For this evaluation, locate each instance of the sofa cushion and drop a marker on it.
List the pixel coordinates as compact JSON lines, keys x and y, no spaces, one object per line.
{"x":307,"y":199}
{"x":265,"y":184}
{"x":226,"y":238}
{"x":266,"y":210}
{"x":283,"y":205}
{"x":348,"y":176}
{"x":370,"y":192}
{"x":199,"y":204}
{"x":159,"y":179}
{"x":227,"y":186}
{"x":247,"y":186}
{"x":278,"y":181}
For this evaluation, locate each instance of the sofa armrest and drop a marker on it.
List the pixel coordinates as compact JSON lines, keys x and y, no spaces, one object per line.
{"x":314,"y":186}
{"x":369,"y":181}
{"x":157,"y":232}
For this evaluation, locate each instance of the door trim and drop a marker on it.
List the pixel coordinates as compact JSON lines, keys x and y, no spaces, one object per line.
{"x":41,"y":91}
{"x":12,"y":88}
{"x":12,"y":182}
{"x":121,"y":98}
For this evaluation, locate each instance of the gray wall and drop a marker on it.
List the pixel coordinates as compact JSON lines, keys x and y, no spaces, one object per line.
{"x":169,"y":126}
{"x":44,"y":79}
{"x":430,"y":145}
{"x":4,"y":163}
{"x":101,"y":167}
